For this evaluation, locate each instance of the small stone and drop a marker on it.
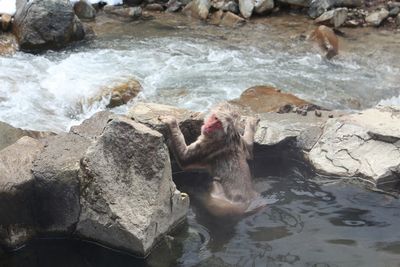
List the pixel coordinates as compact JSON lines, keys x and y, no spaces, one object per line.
{"x":304,"y":112}
{"x":330,"y":116}
{"x":154,"y":7}
{"x":232,"y":20}
{"x":376,"y":18}
{"x":394,"y":11}
{"x":5,"y":22}
{"x":318,"y":113}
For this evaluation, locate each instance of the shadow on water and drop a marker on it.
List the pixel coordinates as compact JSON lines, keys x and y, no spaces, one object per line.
{"x":310,"y":221}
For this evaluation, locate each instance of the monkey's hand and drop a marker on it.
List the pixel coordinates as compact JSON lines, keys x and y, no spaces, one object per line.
{"x":252,"y":122}
{"x":169,"y":120}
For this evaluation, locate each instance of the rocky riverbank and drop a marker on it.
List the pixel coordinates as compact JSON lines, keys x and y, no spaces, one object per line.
{"x":73,"y":21}
{"x":109,"y":179}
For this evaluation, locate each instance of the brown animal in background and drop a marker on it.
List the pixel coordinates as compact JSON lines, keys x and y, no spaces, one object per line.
{"x":223,"y":152}
{"x":326,"y":40}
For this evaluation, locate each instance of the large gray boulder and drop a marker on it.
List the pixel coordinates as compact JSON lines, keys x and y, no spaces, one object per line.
{"x":365,"y":145}
{"x":128,"y":198}
{"x":17,"y":220}
{"x":46,"y":24}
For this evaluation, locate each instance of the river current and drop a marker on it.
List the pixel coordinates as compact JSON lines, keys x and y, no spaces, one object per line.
{"x":192,"y":65}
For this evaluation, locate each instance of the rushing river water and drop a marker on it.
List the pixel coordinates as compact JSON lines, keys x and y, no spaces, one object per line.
{"x":190,"y":65}
{"x":310,"y":221}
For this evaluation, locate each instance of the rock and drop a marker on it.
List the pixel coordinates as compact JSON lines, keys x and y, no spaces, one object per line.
{"x":335,"y":17}
{"x":9,"y":134}
{"x":246,"y":8}
{"x":128,"y":198}
{"x":274,"y":129}
{"x":46,"y":24}
{"x":262,"y":6}
{"x":231,"y":20}
{"x":394,"y":11}
{"x":197,"y":9}
{"x":129,"y":13}
{"x":318,"y":7}
{"x":173,"y":5}
{"x":56,"y":172}
{"x":17,"y":220}
{"x":231,"y":6}
{"x":326,"y":41}
{"x":118,"y":94}
{"x":124,"y":92}
{"x":93,"y":127}
{"x":154,"y":7}
{"x":132,"y":2}
{"x":84,"y":10}
{"x":148,"y":114}
{"x":376,"y":18}
{"x":5,"y":22}
{"x":262,"y":99}
{"x":299,"y":3}
{"x":363,"y":145}
{"x":8,"y":45}
{"x":216,"y":17}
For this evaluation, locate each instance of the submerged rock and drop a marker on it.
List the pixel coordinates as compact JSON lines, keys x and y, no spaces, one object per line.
{"x":8,"y":44}
{"x":46,"y":24}
{"x":365,"y":144}
{"x":17,"y":199}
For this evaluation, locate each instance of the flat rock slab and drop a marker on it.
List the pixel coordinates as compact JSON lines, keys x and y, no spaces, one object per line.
{"x":365,"y":145}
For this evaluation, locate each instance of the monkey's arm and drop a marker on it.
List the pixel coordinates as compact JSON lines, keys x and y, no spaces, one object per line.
{"x":188,"y":157}
{"x":248,"y":135}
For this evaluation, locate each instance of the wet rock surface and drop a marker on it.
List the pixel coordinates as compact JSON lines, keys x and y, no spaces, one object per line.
{"x":17,"y":199}
{"x":108,"y":180}
{"x":365,"y":145}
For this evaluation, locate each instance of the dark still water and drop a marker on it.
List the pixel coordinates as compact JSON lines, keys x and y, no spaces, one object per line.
{"x":310,"y":221}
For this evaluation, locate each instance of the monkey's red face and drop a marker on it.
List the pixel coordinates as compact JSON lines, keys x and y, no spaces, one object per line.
{"x":211,"y":125}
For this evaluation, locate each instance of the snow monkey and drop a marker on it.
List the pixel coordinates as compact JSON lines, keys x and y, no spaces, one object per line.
{"x":326,"y":40}
{"x":223,"y":152}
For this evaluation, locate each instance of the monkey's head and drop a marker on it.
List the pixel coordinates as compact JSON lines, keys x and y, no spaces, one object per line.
{"x":221,"y":123}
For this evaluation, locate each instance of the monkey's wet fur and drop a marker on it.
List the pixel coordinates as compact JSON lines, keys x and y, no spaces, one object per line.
{"x":223,"y":152}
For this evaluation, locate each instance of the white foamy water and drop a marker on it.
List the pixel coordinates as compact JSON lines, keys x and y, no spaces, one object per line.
{"x":7,"y":7}
{"x":45,"y":92}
